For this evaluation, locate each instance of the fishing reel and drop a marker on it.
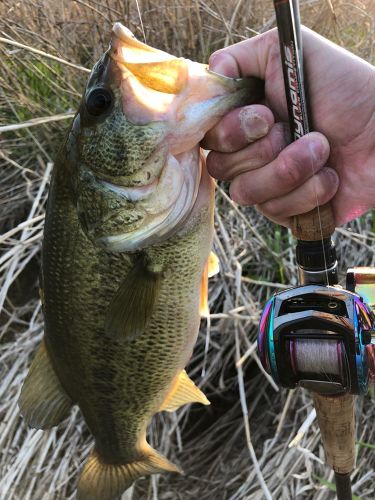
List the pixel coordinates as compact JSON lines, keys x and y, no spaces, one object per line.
{"x":322,"y":337}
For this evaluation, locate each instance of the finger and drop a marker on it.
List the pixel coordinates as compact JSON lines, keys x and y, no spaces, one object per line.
{"x":260,"y":55}
{"x":249,"y":57}
{"x":227,"y":166}
{"x":317,"y":190}
{"x":294,"y":165}
{"x":238,"y":128}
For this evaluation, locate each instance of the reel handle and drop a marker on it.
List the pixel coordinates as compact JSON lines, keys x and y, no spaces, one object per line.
{"x":314,"y":225}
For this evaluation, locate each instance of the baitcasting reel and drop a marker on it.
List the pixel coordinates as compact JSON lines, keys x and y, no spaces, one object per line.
{"x":322,"y":337}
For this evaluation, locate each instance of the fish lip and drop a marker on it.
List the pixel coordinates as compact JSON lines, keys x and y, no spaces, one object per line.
{"x":120,"y":30}
{"x":126,"y":38}
{"x":132,"y":193}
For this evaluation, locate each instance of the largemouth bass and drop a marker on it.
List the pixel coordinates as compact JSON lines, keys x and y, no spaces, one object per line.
{"x":127,"y":237}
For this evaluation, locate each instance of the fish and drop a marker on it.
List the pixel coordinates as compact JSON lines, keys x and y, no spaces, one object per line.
{"x":125,"y":256}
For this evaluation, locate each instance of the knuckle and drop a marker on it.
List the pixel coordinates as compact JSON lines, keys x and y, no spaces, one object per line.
{"x":240,"y":193}
{"x":213,"y":163}
{"x":266,"y":152}
{"x":289,"y":172}
{"x":271,"y":209}
{"x":280,"y":137}
{"x":273,"y":143}
{"x":223,"y":138}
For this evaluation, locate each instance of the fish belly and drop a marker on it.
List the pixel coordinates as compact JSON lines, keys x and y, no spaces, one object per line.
{"x":118,"y":384}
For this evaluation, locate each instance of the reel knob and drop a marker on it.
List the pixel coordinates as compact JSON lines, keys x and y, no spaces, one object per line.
{"x":361,"y":280}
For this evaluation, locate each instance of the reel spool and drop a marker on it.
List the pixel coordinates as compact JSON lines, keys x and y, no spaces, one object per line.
{"x":321,"y":337}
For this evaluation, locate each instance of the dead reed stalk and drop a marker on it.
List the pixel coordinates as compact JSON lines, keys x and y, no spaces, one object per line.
{"x":238,"y":448}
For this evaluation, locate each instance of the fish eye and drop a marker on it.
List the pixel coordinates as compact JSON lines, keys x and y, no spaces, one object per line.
{"x":99,"y":101}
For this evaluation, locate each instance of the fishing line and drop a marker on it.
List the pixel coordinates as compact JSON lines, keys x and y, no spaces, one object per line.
{"x":300,"y":81}
{"x":319,"y":219}
{"x":319,"y":357}
{"x":312,"y":355}
{"x":291,"y":48}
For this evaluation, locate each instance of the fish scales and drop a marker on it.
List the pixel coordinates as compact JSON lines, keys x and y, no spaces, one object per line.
{"x":125,"y":258}
{"x":123,"y":384}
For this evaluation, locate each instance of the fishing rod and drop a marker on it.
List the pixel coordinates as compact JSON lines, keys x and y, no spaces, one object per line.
{"x":319,"y":335}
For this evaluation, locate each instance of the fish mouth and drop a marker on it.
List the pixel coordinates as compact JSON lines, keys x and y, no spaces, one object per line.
{"x":166,"y":204}
{"x":153,"y":68}
{"x":150,"y":82}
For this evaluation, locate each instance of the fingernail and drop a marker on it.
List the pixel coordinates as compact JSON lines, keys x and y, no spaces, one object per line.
{"x":333,"y":178}
{"x":224,"y":63}
{"x":317,"y":148}
{"x":252,"y":124}
{"x":218,"y":66}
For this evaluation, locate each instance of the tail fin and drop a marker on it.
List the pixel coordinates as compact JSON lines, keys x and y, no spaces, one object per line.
{"x":101,"y":481}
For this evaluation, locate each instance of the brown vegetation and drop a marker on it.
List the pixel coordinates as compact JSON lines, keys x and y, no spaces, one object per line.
{"x":256,"y":259}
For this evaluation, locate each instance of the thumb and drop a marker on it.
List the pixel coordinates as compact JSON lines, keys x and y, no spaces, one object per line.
{"x":247,"y":58}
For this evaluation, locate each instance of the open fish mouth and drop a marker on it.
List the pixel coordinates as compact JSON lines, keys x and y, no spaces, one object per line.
{"x":166,"y":203}
{"x":153,"y":82}
{"x":154,"y":68}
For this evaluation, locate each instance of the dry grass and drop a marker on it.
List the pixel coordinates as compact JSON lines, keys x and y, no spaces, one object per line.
{"x":213,"y":445}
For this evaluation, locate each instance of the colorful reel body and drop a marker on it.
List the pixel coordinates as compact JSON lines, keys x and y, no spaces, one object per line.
{"x":318,"y":337}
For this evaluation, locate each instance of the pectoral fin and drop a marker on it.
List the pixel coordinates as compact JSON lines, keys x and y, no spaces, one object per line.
{"x":132,"y":306}
{"x":183,"y":391}
{"x":43,"y":402}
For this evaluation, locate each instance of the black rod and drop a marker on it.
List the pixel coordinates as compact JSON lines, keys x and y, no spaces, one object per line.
{"x":288,"y":25}
{"x":343,"y":486}
{"x":289,"y":28}
{"x":315,"y":259}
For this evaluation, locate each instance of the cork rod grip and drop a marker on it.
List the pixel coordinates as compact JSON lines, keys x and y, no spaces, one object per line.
{"x":336,"y":422}
{"x":314,"y":225}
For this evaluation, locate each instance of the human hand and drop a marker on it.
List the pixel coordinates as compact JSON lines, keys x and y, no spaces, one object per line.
{"x":250,"y":145}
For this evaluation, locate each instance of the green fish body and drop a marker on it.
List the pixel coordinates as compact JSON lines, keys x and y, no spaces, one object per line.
{"x":127,"y":237}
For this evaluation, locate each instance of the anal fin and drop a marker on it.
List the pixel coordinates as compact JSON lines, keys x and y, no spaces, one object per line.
{"x":183,"y":391}
{"x":43,"y":402}
{"x":103,"y":481}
